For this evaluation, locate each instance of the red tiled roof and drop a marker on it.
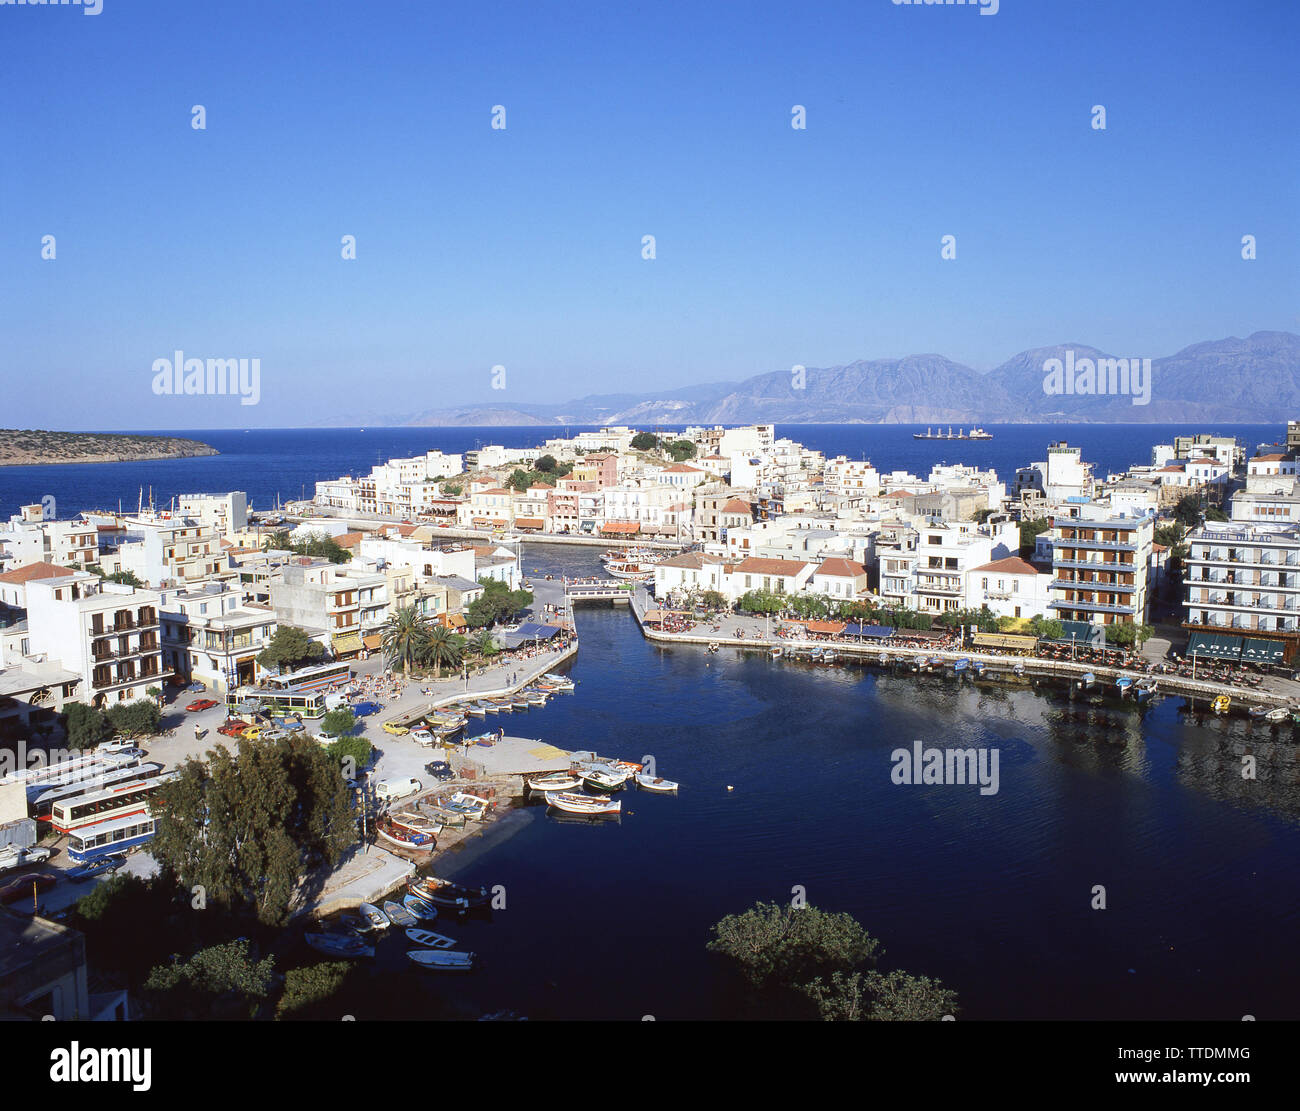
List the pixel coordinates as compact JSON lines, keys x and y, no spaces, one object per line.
{"x":758,"y":565}
{"x":737,"y":505}
{"x":1012,"y":565}
{"x":682,"y":468}
{"x":30,"y":571}
{"x":625,"y":528}
{"x":529,"y":522}
{"x":841,"y":568}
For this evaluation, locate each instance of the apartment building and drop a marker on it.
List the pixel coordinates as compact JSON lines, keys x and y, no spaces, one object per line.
{"x":1009,"y":587}
{"x":1246,"y":579}
{"x":1100,"y":562}
{"x":844,"y":476}
{"x":173,"y":551}
{"x":211,"y":635}
{"x":105,"y":633}
{"x":947,"y":551}
{"x":225,"y":514}
{"x":332,"y":603}
{"x":29,"y":539}
{"x":1062,"y":475}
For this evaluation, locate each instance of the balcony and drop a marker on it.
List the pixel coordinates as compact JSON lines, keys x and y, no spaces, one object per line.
{"x":1090,"y":564}
{"x":1103,"y":588}
{"x":123,"y":653}
{"x":1090,"y":607}
{"x":1099,"y":545}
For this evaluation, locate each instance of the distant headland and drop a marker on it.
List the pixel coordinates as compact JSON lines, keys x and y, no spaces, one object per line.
{"x":35,"y":447}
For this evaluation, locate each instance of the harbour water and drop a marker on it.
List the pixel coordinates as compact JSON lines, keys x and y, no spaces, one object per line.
{"x":991,"y":893}
{"x":286,"y":463}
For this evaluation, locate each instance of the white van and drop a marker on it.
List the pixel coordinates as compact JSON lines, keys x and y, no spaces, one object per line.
{"x":387,"y":790}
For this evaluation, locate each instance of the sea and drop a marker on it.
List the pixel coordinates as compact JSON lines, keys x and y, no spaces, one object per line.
{"x":276,"y":465}
{"x":1125,"y":868}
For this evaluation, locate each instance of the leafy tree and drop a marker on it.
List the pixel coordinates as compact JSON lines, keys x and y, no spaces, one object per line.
{"x":1187,"y":512}
{"x":86,"y":725}
{"x":141,"y":718}
{"x":354,"y":748}
{"x":453,"y":489}
{"x":249,"y":826}
{"x":645,"y":441}
{"x":223,"y":981}
{"x":307,"y":989}
{"x":1048,"y":628}
{"x":1214,"y":513}
{"x":126,"y":578}
{"x":443,"y":648}
{"x":406,"y":637}
{"x":1029,"y":532}
{"x":546,"y":464}
{"x":484,"y":643}
{"x":901,"y":997}
{"x":290,"y":648}
{"x":339,"y":722}
{"x":712,"y":600}
{"x":497,"y":603}
{"x":680,"y":450}
{"x":317,"y":545}
{"x":762,"y":601}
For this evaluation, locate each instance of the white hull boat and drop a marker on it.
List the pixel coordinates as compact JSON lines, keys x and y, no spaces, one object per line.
{"x":373,"y":916}
{"x":582,"y":804}
{"x":441,"y":960}
{"x":431,"y":940}
{"x":339,"y":945}
{"x":556,"y":781}
{"x":398,"y":914}
{"x":656,"y":783}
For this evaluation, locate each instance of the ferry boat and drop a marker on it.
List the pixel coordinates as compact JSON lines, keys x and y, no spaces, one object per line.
{"x":960,"y":434}
{"x":633,"y":570}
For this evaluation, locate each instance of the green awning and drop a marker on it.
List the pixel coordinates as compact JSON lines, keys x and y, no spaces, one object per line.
{"x":1255,"y":651}
{"x":1082,"y":633}
{"x":1214,"y":645}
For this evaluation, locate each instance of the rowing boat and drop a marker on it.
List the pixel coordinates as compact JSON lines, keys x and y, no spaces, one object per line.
{"x":572,"y":803}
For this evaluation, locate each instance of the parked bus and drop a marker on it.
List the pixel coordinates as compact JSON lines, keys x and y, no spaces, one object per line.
{"x":107,"y":838}
{"x":43,"y":803}
{"x":322,"y":677}
{"x":118,"y":801}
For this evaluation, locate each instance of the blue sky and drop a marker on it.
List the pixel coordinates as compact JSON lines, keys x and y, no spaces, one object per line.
{"x":478,"y":247}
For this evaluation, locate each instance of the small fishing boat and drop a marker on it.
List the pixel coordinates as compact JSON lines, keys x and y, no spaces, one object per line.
{"x":604,"y":779}
{"x":424,"y":912}
{"x":1278,"y":713}
{"x":1123,"y":683}
{"x":339,"y":945}
{"x":555,"y":781}
{"x":828,"y":657}
{"x":489,"y":707}
{"x":777,"y":652}
{"x":960,"y":666}
{"x":520,"y":703}
{"x":1143,"y":691}
{"x":815,"y":655}
{"x":444,"y":893}
{"x":403,"y":836}
{"x":1221,"y":704}
{"x":714,"y":646}
{"x":572,"y":803}
{"x":1086,"y":680}
{"x":535,"y":697}
{"x":935,"y":663}
{"x":979,"y":667}
{"x":442,"y":960}
{"x":471,"y":806}
{"x":560,"y":682}
{"x":376,"y":918}
{"x":477,"y":709}
{"x":398,"y":914}
{"x":431,"y":940}
{"x":1018,"y":671}
{"x":655,"y":783}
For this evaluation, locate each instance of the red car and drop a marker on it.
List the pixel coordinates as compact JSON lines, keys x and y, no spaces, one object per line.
{"x":21,"y":886}
{"x":201,"y":704}
{"x":233,"y":727}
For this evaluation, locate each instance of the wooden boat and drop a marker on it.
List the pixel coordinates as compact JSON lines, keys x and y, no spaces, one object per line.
{"x":424,"y":912}
{"x":560,"y":682}
{"x":1086,"y":680}
{"x":442,"y":960}
{"x":431,"y":940}
{"x":1221,"y":704}
{"x":828,"y":657}
{"x":477,"y":709}
{"x":535,"y":697}
{"x":503,"y":705}
{"x":444,"y":893}
{"x":489,"y":707}
{"x":655,"y":783}
{"x":1278,"y":713}
{"x":338,"y":945}
{"x":555,"y":781}
{"x":404,"y":837}
{"x":815,"y":655}
{"x":398,"y":914}
{"x":416,"y":821}
{"x":777,"y":652}
{"x":1123,"y":683}
{"x":376,"y":918}
{"x":521,"y":704}
{"x":582,"y":804}
{"x":604,"y":779}
{"x":471,"y":806}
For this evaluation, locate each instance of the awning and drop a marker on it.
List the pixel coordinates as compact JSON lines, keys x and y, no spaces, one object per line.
{"x":834,"y":628}
{"x":529,"y":522}
{"x":373,"y":641}
{"x":655,"y":615}
{"x":452,"y":621}
{"x":1005,"y":640}
{"x":920,"y":634}
{"x":876,"y":632}
{"x":620,"y":528}
{"x":1216,"y":646}
{"x":1083,"y":633}
{"x":1255,"y":651}
{"x":346,"y":643}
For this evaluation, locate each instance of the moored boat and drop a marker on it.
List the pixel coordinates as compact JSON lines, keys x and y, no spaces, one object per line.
{"x":1221,"y":704}
{"x":655,"y":783}
{"x":572,"y":803}
{"x":444,"y":893}
{"x":442,"y":960}
{"x":375,"y":917}
{"x":431,"y":940}
{"x":398,"y":915}
{"x":424,"y":912}
{"x":338,"y":945}
{"x":606,"y":780}
{"x":554,"y":781}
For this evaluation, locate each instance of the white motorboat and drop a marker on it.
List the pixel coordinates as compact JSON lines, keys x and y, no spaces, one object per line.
{"x":442,"y":960}
{"x":656,"y":783}
{"x":373,"y":916}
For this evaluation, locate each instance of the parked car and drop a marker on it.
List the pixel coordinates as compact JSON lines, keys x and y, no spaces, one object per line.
{"x":233,"y":727}
{"x":196,"y":688}
{"x":201,"y":704}
{"x":422,"y":736}
{"x":94,"y":868}
{"x":440,"y":770}
{"x":395,"y":729}
{"x":389,"y":789}
{"x":110,"y":747}
{"x":365,"y":709}
{"x":20,"y":886}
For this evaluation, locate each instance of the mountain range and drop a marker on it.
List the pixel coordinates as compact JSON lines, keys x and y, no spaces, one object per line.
{"x":1252,"y":380}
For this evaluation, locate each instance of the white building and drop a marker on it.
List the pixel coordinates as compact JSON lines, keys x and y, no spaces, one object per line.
{"x":212,"y":636}
{"x":1009,"y":587}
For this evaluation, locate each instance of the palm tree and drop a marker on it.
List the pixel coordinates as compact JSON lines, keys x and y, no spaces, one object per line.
{"x":406,"y":637}
{"x":443,"y":647}
{"x":484,"y":643}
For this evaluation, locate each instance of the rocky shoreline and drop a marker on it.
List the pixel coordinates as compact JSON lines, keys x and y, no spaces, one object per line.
{"x":35,"y":447}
